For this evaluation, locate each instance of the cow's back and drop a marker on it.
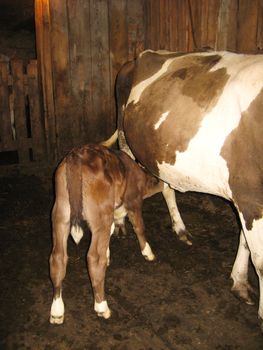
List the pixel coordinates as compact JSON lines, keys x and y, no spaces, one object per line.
{"x":183,"y":109}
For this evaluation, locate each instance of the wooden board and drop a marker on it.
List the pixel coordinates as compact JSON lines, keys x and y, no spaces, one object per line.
{"x":6,"y":136}
{"x":100,"y":120}
{"x":61,"y":76}
{"x":36,"y":115}
{"x":21,"y":128}
{"x":247,"y":21}
{"x":44,"y":52}
{"x":118,"y":37}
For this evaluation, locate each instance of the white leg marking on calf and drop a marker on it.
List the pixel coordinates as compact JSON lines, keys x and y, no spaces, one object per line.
{"x":112,"y":228}
{"x":102,"y":309}
{"x":57,"y":311}
{"x":147,"y":252}
{"x":108,"y":249}
{"x":76,"y":233}
{"x":108,"y":256}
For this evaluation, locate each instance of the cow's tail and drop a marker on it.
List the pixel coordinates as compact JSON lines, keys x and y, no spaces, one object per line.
{"x":74,"y":184}
{"x":110,"y":141}
{"x":122,"y":90}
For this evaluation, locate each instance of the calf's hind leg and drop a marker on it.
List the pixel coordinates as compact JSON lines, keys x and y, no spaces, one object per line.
{"x":58,"y":258}
{"x":97,"y":262}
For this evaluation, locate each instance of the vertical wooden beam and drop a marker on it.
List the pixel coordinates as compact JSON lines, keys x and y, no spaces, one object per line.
{"x":247,"y":25}
{"x":227,"y":25}
{"x":6,"y":137}
{"x":136,"y":36}
{"x":173,"y":25}
{"x":194,"y":14}
{"x":182,"y":25}
{"x":260,"y":26}
{"x":118,"y":36}
{"x":36,"y":115}
{"x":155,"y":24}
{"x":79,"y":66}
{"x":44,"y":54}
{"x":101,"y":86}
{"x":61,"y":76}
{"x":209,"y":22}
{"x":19,"y":111}
{"x":164,"y":25}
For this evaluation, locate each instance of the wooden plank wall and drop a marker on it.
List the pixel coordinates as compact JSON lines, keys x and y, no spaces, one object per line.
{"x":82,"y":44}
{"x":22,"y":126}
{"x":188,"y":25}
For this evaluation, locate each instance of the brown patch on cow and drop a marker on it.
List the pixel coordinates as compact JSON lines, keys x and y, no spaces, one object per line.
{"x":188,"y":90}
{"x":150,"y":62}
{"x":243,"y":153}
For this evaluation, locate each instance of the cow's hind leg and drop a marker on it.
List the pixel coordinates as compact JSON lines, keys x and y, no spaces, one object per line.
{"x":239,"y":274}
{"x":254,"y":238}
{"x":177,"y":222}
{"x":135,"y":217}
{"x":97,"y":258}
{"x":58,"y":258}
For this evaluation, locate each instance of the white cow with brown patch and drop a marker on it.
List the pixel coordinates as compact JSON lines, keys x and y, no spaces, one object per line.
{"x":196,"y":121}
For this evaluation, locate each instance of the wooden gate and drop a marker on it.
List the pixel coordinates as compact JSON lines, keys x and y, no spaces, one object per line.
{"x":22,"y":131}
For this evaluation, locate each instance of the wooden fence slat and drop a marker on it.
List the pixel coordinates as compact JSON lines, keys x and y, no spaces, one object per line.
{"x":37,"y":124}
{"x":19,"y":110}
{"x":6,"y":136}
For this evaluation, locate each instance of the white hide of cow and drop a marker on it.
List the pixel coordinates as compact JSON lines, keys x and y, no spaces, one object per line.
{"x":201,"y":167}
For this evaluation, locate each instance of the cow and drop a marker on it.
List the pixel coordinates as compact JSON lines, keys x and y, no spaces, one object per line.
{"x":195,"y":120}
{"x":99,"y":186}
{"x":123,"y":87}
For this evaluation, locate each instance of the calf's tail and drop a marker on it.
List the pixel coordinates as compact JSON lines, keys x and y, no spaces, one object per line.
{"x":110,"y":141}
{"x":74,"y":184}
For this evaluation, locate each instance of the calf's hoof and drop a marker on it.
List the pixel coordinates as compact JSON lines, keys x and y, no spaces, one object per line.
{"x":147,"y":253}
{"x":57,"y":311}
{"x":102,"y":309}
{"x":56,"y":319}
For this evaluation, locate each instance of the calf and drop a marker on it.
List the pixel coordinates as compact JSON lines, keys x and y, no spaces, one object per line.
{"x":100,"y":186}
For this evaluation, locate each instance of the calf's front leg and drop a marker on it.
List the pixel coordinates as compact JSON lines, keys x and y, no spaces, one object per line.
{"x":135,"y":217}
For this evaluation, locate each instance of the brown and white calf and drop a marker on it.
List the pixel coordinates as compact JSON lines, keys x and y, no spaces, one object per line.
{"x":100,"y":186}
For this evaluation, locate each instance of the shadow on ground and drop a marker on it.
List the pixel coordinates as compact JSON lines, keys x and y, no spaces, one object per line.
{"x":180,"y":301}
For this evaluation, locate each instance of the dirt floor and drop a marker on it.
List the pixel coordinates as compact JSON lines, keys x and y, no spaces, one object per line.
{"x":180,"y":301}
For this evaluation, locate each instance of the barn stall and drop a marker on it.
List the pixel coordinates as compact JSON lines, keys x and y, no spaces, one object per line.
{"x":64,"y":97}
